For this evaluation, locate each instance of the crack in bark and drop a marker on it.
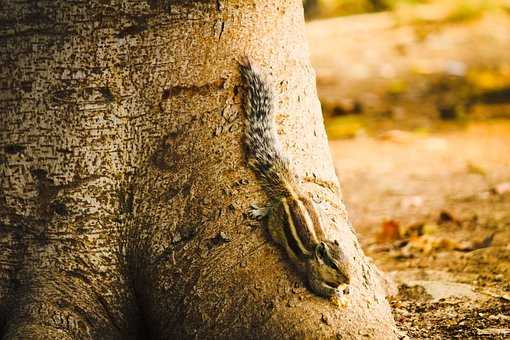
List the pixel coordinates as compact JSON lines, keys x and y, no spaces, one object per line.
{"x":140,"y":26}
{"x":109,"y":315}
{"x":48,"y":191}
{"x":190,"y":90}
{"x":222,"y":28}
{"x":13,"y":149}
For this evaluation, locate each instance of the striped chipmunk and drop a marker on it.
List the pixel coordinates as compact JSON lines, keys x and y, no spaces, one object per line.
{"x":292,"y":219}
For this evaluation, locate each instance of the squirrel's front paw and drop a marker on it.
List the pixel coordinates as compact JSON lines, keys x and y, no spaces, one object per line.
{"x":257,"y":212}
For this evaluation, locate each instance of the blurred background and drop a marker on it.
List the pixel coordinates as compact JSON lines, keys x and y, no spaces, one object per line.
{"x":416,"y":103}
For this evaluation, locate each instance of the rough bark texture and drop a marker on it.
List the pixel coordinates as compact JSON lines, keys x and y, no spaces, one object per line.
{"x":124,"y":187}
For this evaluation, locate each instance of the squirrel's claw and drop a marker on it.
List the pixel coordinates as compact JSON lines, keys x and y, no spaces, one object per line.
{"x":257,"y":212}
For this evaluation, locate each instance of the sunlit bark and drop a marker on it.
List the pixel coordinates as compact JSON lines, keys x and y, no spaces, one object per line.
{"x":124,"y":185}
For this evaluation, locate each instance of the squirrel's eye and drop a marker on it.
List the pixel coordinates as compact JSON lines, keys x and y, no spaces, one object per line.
{"x":333,"y":265}
{"x":323,"y":249}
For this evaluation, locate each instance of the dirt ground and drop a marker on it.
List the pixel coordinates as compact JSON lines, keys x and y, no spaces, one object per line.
{"x":432,"y":205}
{"x":422,"y":206}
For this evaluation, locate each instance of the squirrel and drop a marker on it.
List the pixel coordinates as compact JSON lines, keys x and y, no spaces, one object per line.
{"x":292,"y":219}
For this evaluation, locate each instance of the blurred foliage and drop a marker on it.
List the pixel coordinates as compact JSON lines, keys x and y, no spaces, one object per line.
{"x":425,"y":75}
{"x":330,"y":8}
{"x":447,"y":11}
{"x":460,"y":10}
{"x":489,"y":79}
{"x":347,"y":126}
{"x":467,"y":10}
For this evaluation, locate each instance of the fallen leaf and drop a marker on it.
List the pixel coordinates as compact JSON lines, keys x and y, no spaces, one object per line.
{"x":415,"y":229}
{"x":421,"y":228}
{"x":429,"y":243}
{"x":474,"y":245}
{"x":430,"y":228}
{"x":390,"y":231}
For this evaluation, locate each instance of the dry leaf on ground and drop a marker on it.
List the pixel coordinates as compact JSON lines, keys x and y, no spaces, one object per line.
{"x":390,"y":231}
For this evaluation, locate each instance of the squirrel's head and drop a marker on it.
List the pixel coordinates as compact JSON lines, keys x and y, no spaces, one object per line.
{"x":332,"y":266}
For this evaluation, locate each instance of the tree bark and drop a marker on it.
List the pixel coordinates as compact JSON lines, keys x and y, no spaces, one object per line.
{"x":124,"y":185}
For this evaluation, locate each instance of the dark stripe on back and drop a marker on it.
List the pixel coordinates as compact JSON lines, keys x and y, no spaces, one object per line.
{"x":300,"y":223}
{"x":291,"y":241}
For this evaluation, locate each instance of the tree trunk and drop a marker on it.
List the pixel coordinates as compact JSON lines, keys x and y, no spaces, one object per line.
{"x":124,"y":185}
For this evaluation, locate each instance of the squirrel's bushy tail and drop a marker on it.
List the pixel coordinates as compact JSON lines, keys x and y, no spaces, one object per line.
{"x":265,"y":154}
